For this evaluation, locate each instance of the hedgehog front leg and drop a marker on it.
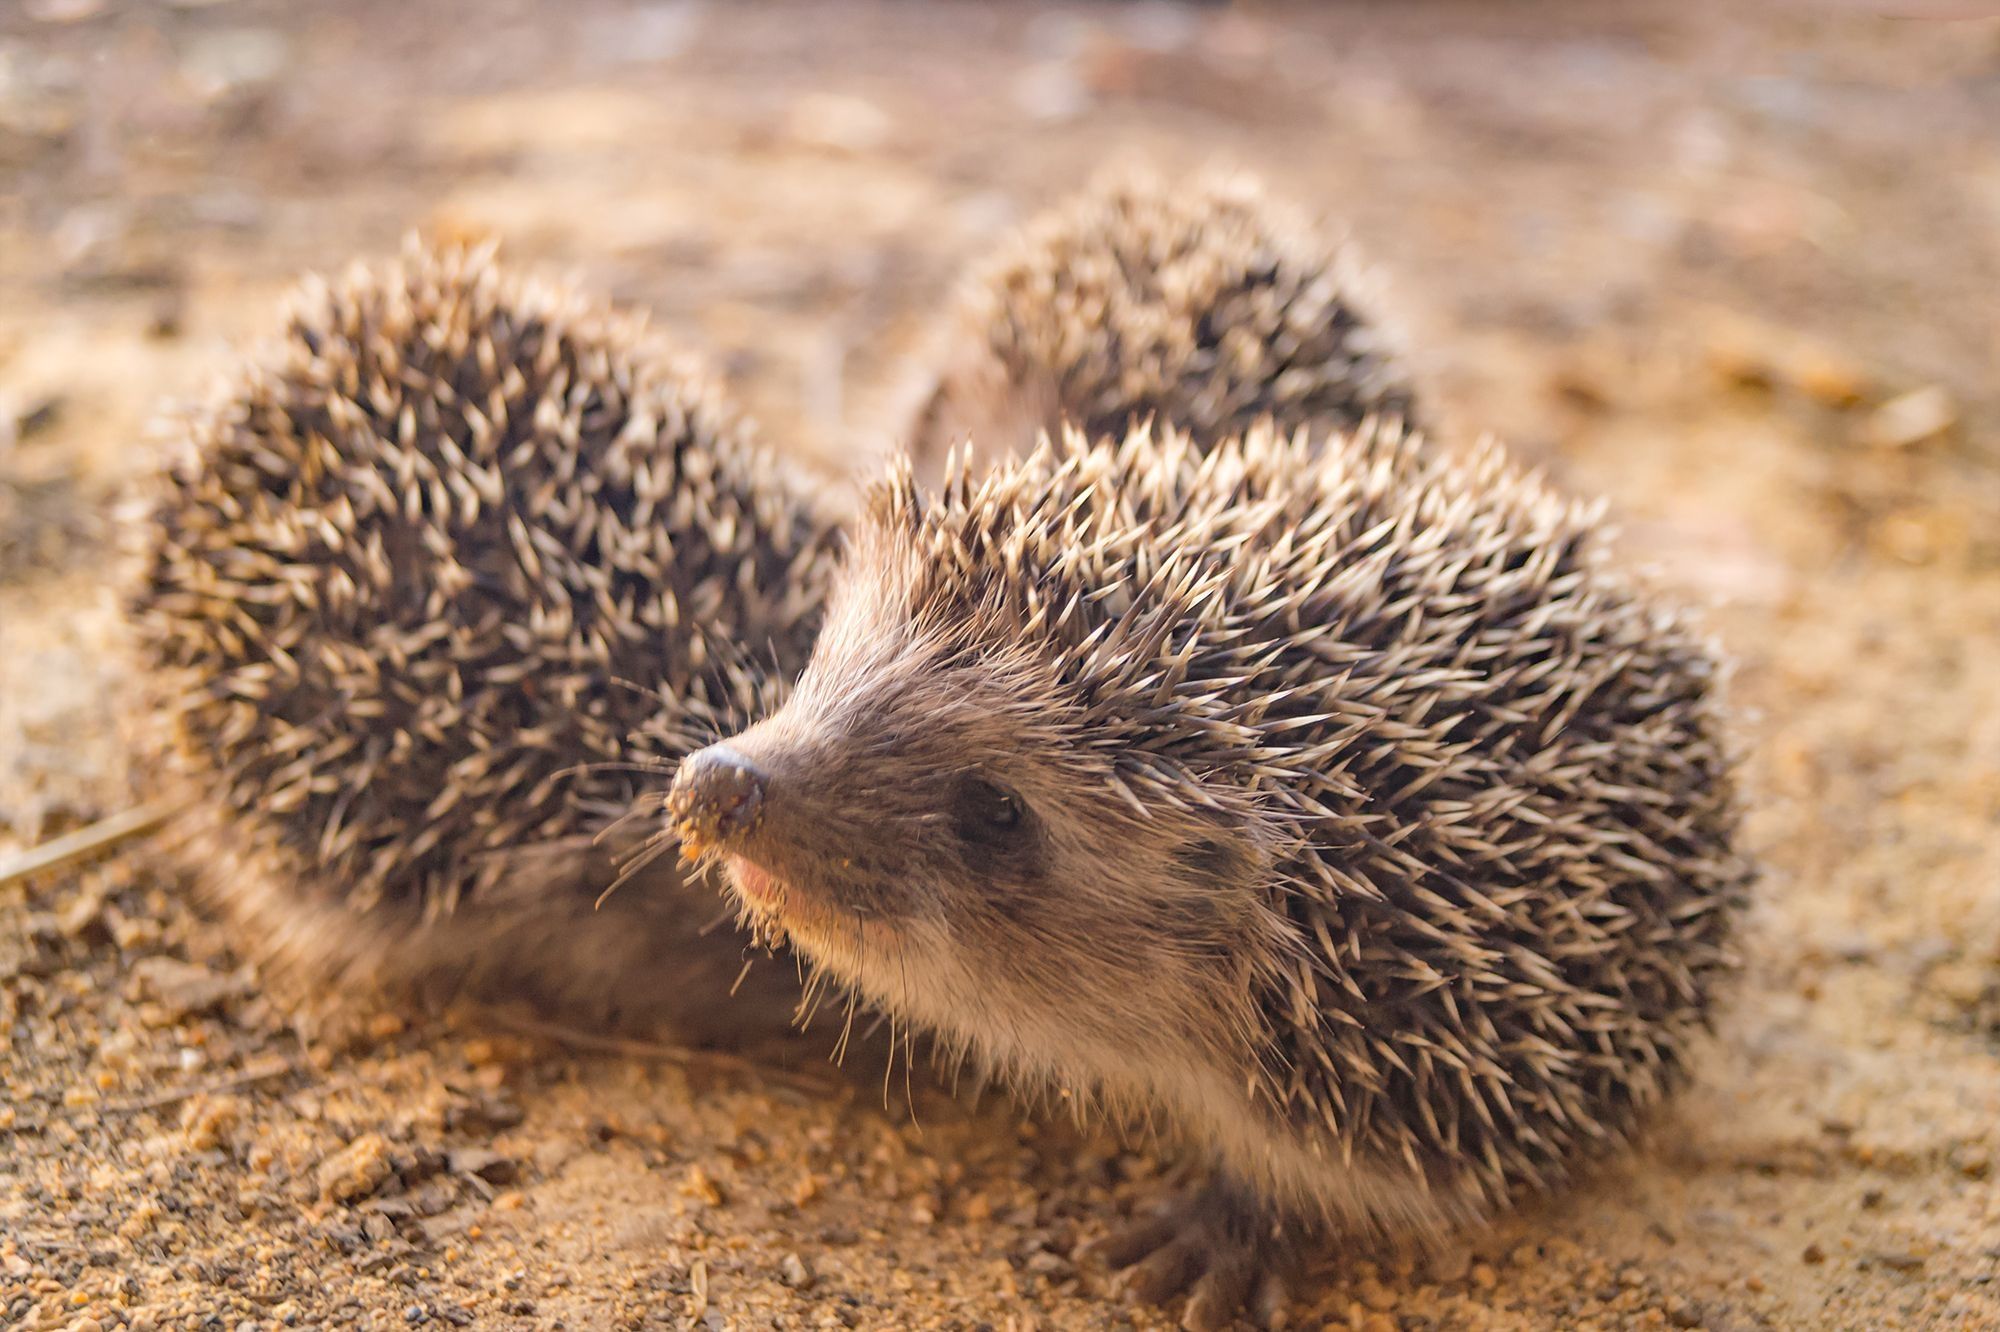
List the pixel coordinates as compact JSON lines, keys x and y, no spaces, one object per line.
{"x":1218,"y":1243}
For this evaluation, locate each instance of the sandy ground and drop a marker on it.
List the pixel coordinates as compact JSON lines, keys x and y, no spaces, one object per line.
{"x":1740,"y":276}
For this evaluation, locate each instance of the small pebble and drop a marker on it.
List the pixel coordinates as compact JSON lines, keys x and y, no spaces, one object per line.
{"x":1828,"y":379}
{"x":490,"y":1166}
{"x":355,"y":1171}
{"x":840,"y":124}
{"x":63,"y":11}
{"x":207,"y":1120}
{"x":181,"y":989}
{"x":700,"y":1187}
{"x":1912,"y":418}
{"x":1449,"y":1265}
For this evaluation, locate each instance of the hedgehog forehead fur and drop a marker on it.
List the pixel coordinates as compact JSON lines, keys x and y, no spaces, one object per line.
{"x":1206,"y":304}
{"x":456,"y":534}
{"x":1342,"y":790}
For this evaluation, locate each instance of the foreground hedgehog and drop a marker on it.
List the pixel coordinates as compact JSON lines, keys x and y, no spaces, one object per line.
{"x":1344,"y":811}
{"x":1206,"y":304}
{"x":394,"y":602}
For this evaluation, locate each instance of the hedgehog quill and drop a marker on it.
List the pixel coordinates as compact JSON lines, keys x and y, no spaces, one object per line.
{"x":393,"y":599}
{"x":1340,"y":807}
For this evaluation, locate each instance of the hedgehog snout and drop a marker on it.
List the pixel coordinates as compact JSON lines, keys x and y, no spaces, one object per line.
{"x":717,"y":797}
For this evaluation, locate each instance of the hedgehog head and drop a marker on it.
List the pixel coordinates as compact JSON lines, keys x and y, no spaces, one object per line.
{"x":999,"y":801}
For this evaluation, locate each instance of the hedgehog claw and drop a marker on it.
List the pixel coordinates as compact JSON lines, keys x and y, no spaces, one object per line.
{"x":1128,"y":1244}
{"x":1274,"y":1296}
{"x":1209,"y":1242}
{"x":1169,"y":1270}
{"x":1220,"y":1293}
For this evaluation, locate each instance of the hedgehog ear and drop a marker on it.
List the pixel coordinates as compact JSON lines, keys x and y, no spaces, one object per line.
{"x":1207,"y":859}
{"x":1220,"y":871}
{"x":1220,"y":858}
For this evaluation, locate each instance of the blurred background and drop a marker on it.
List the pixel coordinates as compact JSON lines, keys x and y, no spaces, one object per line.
{"x":1736,"y":270}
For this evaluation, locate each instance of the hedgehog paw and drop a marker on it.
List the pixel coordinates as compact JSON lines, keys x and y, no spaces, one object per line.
{"x":1215,"y":1243}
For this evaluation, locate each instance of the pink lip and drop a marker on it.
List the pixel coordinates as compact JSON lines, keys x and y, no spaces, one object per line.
{"x":756,"y":884}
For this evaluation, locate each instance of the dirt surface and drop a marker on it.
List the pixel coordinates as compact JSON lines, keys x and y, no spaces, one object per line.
{"x":1739,"y":275}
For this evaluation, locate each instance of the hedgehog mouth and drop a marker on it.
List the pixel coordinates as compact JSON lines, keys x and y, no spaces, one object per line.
{"x":761,"y":890}
{"x":780,"y":911}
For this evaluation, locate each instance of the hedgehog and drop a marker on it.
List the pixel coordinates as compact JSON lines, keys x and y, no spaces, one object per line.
{"x":1207,"y":305}
{"x":1337,"y":807}
{"x":433,"y":587}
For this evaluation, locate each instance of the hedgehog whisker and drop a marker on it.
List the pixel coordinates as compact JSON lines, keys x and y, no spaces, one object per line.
{"x":909,"y":1037}
{"x":651,"y":769}
{"x":651,"y":803}
{"x":654,"y":849}
{"x":728,"y":917}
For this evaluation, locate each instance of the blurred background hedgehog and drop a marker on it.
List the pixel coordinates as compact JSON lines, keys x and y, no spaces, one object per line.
{"x":1203,"y":302}
{"x":432,"y":587}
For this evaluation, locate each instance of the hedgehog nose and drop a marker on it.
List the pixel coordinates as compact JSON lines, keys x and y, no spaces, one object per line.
{"x":716,"y":797}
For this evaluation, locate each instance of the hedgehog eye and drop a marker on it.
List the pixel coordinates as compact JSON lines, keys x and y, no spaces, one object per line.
{"x":985,"y":811}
